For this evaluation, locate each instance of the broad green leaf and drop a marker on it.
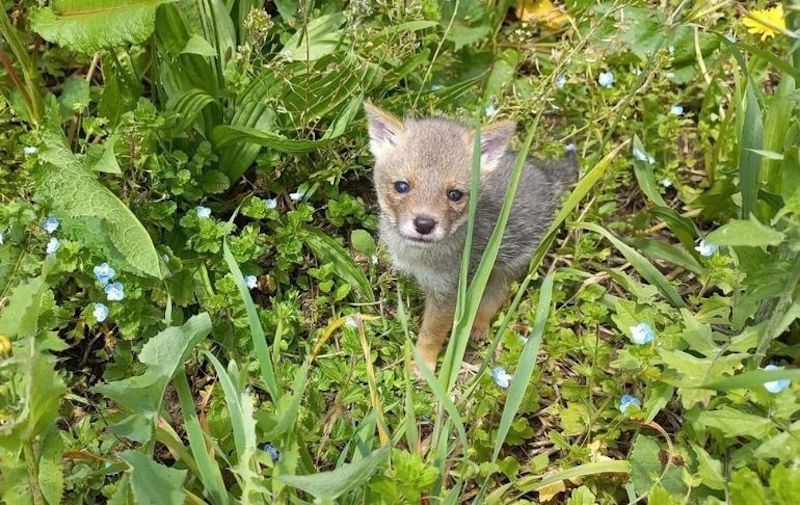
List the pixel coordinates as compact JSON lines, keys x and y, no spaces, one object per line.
{"x":735,"y":423}
{"x":226,"y":135}
{"x":153,"y":483}
{"x":581,"y":496}
{"x":316,"y":39}
{"x":189,"y":105}
{"x":327,"y":249}
{"x":694,"y":371}
{"x":327,"y":486}
{"x":199,"y":45}
{"x":43,"y":391}
{"x":682,"y":227}
{"x":745,"y":232}
{"x":51,"y":470}
{"x":363,"y":242}
{"x":88,"y":26}
{"x":77,"y":194}
{"x":751,"y":379}
{"x":662,"y":251}
{"x":289,"y":406}
{"x":784,"y":482}
{"x":19,"y":318}
{"x":746,"y":488}
{"x":162,"y":355}
{"x":709,"y":469}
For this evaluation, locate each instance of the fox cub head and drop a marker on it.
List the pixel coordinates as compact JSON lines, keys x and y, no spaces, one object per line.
{"x":423,"y":171}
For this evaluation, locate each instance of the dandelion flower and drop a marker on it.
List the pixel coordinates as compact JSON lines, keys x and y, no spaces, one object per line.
{"x":115,"y":292}
{"x":605,"y":79}
{"x":202,"y":212}
{"x":706,"y":249}
{"x":100,"y":312}
{"x":627,"y":401}
{"x":642,"y":333}
{"x":778,"y":385}
{"x":501,"y":377}
{"x":50,"y":225}
{"x":766,"y":22}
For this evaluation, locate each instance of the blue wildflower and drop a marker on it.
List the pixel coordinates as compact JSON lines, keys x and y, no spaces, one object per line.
{"x":100,"y":312}
{"x":274,"y":453}
{"x":115,"y":292}
{"x":501,"y":377}
{"x":627,"y":401}
{"x":641,"y":334}
{"x":50,"y":225}
{"x":605,"y":79}
{"x":642,"y":156}
{"x":104,"y":273}
{"x":202,"y":212}
{"x":778,"y":385}
{"x":52,"y":246}
{"x":251,"y":281}
{"x":706,"y":249}
{"x":677,"y":110}
{"x":271,"y":203}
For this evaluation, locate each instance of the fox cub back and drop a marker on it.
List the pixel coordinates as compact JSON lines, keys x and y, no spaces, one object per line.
{"x":422,"y":178}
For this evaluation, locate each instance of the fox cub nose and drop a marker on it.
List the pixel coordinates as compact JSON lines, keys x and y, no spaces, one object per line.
{"x":424,"y":224}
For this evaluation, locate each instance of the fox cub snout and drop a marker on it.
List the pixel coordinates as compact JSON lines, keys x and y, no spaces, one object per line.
{"x":422,"y":178}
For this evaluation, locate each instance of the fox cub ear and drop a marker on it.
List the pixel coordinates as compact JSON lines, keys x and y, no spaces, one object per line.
{"x":384,"y":129}
{"x":494,"y":141}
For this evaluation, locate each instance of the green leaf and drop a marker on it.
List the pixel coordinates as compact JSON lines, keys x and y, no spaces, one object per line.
{"x":327,"y":249}
{"x":51,"y":471}
{"x":363,"y":242}
{"x":709,"y":469}
{"x":226,"y":135}
{"x":694,"y":371}
{"x":644,"y":175}
{"x":19,"y":318}
{"x":745,"y":232}
{"x":327,"y":486}
{"x":640,"y":263}
{"x":746,"y":488}
{"x":88,"y":26}
{"x":77,"y":194}
{"x":108,"y":159}
{"x":751,"y":379}
{"x":735,"y":423}
{"x":199,"y":45}
{"x":750,"y":139}
{"x":153,"y":483}
{"x":582,"y":496}
{"x":316,"y":39}
{"x":785,"y":485}
{"x":162,"y":355}
{"x":662,"y":251}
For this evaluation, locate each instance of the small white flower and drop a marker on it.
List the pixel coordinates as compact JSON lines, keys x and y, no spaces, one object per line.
{"x":669,"y":75}
{"x":351,"y":322}
{"x":705,"y":249}
{"x":641,"y":334}
{"x":501,"y":377}
{"x":671,"y":49}
{"x":52,"y":246}
{"x":490,"y":110}
{"x":271,"y":203}
{"x":28,"y":150}
{"x":778,"y":385}
{"x":731,"y":38}
{"x":100,"y":312}
{"x":50,"y":225}
{"x":436,"y":87}
{"x":251,"y":281}
{"x":297,"y":195}
{"x":374,"y":259}
{"x":115,"y":292}
{"x":677,"y":110}
{"x":202,"y":212}
{"x":523,"y":339}
{"x":1,"y":238}
{"x":605,"y":79}
{"x":561,"y":81}
{"x":666,"y":182}
{"x":637,"y":72}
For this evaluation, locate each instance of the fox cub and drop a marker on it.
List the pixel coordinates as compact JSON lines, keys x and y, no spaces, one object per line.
{"x":422,"y":178}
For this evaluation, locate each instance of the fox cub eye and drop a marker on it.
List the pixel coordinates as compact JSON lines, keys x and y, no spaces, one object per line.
{"x":454,"y":195}
{"x":401,"y":187}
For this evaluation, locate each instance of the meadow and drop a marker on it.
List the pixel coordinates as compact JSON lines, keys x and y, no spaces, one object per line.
{"x":195,"y":306}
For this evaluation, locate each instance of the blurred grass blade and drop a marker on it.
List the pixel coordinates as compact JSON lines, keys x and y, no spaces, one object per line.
{"x":527,"y":361}
{"x":256,"y":331}
{"x":750,"y":139}
{"x":210,"y":473}
{"x":751,"y":379}
{"x":682,"y":227}
{"x":662,"y":251}
{"x":232,"y":401}
{"x":640,"y":263}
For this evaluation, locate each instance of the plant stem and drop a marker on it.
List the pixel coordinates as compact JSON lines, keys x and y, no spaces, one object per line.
{"x":33,"y":470}
{"x":31,"y":90}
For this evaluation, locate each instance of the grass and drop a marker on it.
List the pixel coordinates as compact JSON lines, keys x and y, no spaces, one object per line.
{"x":200,"y":388}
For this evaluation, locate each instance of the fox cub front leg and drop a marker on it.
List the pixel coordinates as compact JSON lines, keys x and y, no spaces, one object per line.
{"x":493,"y":298}
{"x":436,"y":323}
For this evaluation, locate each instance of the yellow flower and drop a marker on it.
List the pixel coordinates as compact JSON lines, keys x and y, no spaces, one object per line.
{"x":541,"y":11}
{"x":767,"y":22}
{"x":5,"y":346}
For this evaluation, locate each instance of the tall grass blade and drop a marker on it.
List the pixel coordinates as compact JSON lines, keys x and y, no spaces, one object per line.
{"x":750,"y":138}
{"x":232,"y":400}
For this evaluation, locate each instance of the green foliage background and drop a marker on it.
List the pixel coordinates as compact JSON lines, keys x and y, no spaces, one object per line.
{"x":126,"y":120}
